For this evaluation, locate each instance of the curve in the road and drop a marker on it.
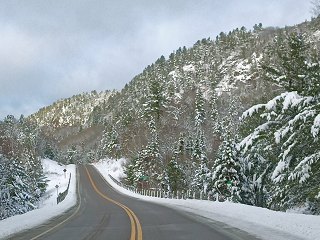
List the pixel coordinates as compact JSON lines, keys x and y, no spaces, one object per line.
{"x":103,"y":213}
{"x":136,"y":229}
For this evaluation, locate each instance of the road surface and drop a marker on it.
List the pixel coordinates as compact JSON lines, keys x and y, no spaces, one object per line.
{"x":104,"y":213}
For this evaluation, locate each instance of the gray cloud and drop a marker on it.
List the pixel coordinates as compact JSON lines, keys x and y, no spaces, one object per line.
{"x":55,"y":48}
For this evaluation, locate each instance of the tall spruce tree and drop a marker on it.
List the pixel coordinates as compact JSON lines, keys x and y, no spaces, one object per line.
{"x":226,"y":172}
{"x":202,"y":175}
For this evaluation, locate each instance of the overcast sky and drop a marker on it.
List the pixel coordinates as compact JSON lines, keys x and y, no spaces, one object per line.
{"x":52,"y":49}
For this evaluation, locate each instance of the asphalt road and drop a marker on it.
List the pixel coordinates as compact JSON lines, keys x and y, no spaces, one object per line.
{"x":103,"y":213}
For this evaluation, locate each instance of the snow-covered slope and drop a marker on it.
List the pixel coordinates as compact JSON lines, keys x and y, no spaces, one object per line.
{"x":73,"y":111}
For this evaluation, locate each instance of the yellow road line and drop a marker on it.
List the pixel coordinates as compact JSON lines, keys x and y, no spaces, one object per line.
{"x":133,"y":214}
{"x":67,"y":219}
{"x":136,"y":230}
{"x":138,"y":225}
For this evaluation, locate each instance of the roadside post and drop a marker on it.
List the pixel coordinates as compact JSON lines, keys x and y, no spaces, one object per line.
{"x":57,"y":187}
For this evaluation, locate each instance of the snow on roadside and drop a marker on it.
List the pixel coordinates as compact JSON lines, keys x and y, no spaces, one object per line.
{"x":48,"y":207}
{"x":111,"y":166}
{"x":261,"y":222}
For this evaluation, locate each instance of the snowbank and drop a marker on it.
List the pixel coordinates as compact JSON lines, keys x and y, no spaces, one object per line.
{"x":48,"y":207}
{"x":261,"y":222}
{"x":111,"y":166}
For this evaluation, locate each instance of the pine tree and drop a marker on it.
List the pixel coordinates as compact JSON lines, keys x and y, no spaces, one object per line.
{"x":5,"y":189}
{"x":292,"y":63}
{"x":286,"y":136}
{"x":153,"y":154}
{"x":155,"y":103}
{"x":202,"y":177}
{"x":109,"y":144}
{"x":202,"y":173}
{"x":226,"y":172}
{"x":130,"y":172}
{"x":288,"y":142}
{"x":175,"y":177}
{"x":214,"y":115}
{"x":199,"y":110}
{"x":22,"y":179}
{"x":49,"y":152}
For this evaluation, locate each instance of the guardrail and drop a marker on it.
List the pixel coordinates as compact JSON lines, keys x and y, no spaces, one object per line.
{"x":62,"y":196}
{"x":160,"y":193}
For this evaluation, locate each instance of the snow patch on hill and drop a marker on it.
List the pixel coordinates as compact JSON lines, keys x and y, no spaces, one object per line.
{"x":317,"y":34}
{"x":72,"y":111}
{"x":189,"y":68}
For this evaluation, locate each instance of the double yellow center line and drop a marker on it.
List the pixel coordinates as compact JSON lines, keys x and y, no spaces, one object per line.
{"x":136,"y":230}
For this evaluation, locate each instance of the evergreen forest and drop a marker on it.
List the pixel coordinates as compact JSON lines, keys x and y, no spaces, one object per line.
{"x":237,"y":116}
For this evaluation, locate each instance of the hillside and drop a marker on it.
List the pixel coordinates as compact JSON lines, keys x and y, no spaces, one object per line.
{"x":66,"y":125}
{"x":73,"y":111}
{"x":178,"y":123}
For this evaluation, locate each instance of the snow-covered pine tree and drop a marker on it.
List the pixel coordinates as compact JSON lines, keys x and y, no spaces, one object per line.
{"x":200,"y":115}
{"x":226,"y":172}
{"x":131,"y":176}
{"x":5,"y":198}
{"x":153,"y":154}
{"x":292,"y":61}
{"x":109,"y":144}
{"x":214,"y":115}
{"x":22,"y":194}
{"x":156,"y":101}
{"x":149,"y":161}
{"x":288,"y":141}
{"x":49,"y":152}
{"x":22,"y":179}
{"x":287,"y":136}
{"x":175,"y":177}
{"x":202,"y":175}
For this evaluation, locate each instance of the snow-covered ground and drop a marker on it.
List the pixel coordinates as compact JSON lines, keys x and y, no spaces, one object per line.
{"x":260,"y":222}
{"x":48,"y":207}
